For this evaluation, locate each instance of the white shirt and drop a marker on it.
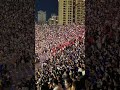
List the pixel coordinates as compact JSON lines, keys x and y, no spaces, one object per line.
{"x":80,"y":70}
{"x":83,"y":72}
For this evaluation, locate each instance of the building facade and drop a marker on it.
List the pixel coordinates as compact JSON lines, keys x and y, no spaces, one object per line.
{"x":80,"y":11}
{"x":65,"y":12}
{"x":41,"y":17}
{"x":71,"y":11}
{"x":53,"y":20}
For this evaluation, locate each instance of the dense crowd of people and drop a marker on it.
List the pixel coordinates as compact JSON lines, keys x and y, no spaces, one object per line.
{"x":10,"y":79}
{"x":64,"y":70}
{"x":74,"y":66}
{"x":66,"y":64}
{"x":49,"y":37}
{"x":5,"y":80}
{"x":102,"y":60}
{"x":101,"y":57}
{"x":102,"y":45}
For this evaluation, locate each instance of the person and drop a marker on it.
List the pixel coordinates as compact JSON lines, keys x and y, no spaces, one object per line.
{"x":50,"y":85}
{"x":69,"y":84}
{"x":56,"y":85}
{"x":45,"y":86}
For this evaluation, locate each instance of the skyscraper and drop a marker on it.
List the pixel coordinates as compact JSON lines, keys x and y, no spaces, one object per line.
{"x":70,"y":11}
{"x":41,"y":17}
{"x":65,"y":11}
{"x":79,"y":11}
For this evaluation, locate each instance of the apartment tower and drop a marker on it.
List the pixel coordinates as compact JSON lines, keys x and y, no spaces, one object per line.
{"x":71,"y":11}
{"x":41,"y":17}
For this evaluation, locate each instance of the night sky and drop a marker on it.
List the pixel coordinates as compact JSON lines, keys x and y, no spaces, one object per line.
{"x":50,"y":6}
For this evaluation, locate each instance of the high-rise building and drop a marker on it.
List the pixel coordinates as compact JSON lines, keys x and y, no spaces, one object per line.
{"x":53,"y":20}
{"x":65,"y":11}
{"x":41,"y":17}
{"x":71,"y":11}
{"x":79,"y":11}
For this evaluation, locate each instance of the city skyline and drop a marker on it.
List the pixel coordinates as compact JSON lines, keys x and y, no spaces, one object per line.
{"x":68,"y":11}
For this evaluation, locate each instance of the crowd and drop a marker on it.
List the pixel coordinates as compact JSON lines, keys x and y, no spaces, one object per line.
{"x":13,"y":79}
{"x":5,"y":79}
{"x":102,"y":45}
{"x":64,"y":70}
{"x":49,"y":37}
{"x":74,"y":66}
{"x":16,"y":37}
{"x":102,"y":60}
